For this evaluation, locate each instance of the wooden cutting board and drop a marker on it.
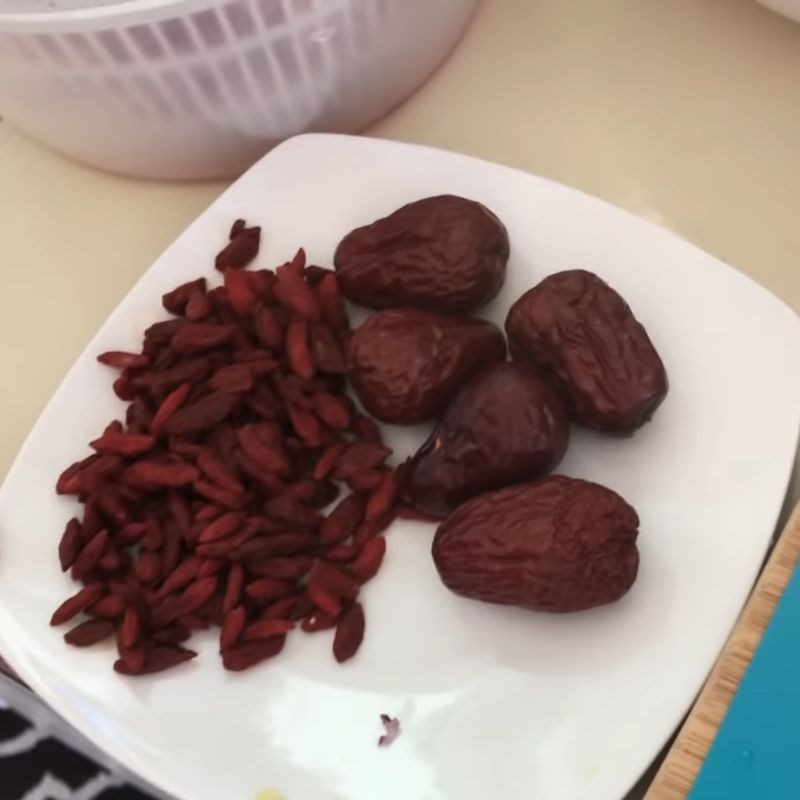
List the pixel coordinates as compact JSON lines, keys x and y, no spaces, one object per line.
{"x":683,"y":763}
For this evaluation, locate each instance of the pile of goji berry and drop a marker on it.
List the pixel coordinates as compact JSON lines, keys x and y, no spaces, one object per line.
{"x":205,"y":506}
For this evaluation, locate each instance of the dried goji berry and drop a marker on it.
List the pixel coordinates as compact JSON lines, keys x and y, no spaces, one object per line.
{"x":163,"y":473}
{"x":247,"y":654}
{"x":381,"y":500}
{"x":198,"y":306}
{"x":131,"y":628}
{"x":297,"y":349}
{"x":219,"y":495}
{"x":295,"y":294}
{"x":221,"y":527}
{"x":268,"y":329}
{"x":282,"y":608}
{"x":88,"y":633}
{"x":155,"y":659}
{"x":171,"y":403}
{"x":349,"y":633}
{"x":197,"y":594}
{"x":333,"y":410}
{"x":281,"y":568}
{"x":73,"y":606}
{"x":369,"y":561}
{"x":201,"y":415}
{"x":324,"y":600}
{"x":333,"y":580}
{"x":306,"y":425}
{"x":233,"y":378}
{"x":266,"y":628}
{"x":176,"y":300}
{"x":326,"y":351}
{"x":331,"y":303}
{"x":110,"y":607}
{"x":318,"y":621}
{"x":232,"y":627}
{"x":71,"y":543}
{"x":124,"y":444}
{"x":342,"y":522}
{"x":233,"y":587}
{"x":240,"y":292}
{"x":122,"y":360}
{"x":90,"y":555}
{"x":358,"y":457}
{"x":268,"y":589}
{"x":241,"y":250}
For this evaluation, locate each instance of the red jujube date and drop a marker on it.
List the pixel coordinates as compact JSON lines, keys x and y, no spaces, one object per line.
{"x":443,"y":253}
{"x":405,"y":364}
{"x":558,"y":545}
{"x":584,"y":337}
{"x":506,"y":425}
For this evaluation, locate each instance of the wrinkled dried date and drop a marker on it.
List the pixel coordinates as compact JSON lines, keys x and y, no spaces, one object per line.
{"x":203,"y":507}
{"x":559,"y":544}
{"x":585,"y":339}
{"x":505,"y":426}
{"x":405,"y":364}
{"x":442,"y":253}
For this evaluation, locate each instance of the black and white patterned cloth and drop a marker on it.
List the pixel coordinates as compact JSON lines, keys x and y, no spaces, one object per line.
{"x":41,"y":758}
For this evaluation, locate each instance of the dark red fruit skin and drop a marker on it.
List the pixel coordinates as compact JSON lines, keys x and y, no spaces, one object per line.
{"x":558,"y":545}
{"x":585,"y":339}
{"x":443,"y":253}
{"x":505,"y":426}
{"x":405,"y":364}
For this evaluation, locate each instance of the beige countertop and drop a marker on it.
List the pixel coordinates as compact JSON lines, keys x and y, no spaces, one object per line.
{"x":683,"y":111}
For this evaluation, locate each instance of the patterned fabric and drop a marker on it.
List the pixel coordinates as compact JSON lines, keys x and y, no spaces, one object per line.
{"x":41,"y":759}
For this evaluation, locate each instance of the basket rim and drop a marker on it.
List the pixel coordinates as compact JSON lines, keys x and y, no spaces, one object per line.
{"x":114,"y":14}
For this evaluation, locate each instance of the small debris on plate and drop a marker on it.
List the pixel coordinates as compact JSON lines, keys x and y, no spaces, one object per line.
{"x":392,"y":728}
{"x":270,"y":794}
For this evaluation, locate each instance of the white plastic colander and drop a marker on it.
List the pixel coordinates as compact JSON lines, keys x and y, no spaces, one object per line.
{"x":202,"y":88}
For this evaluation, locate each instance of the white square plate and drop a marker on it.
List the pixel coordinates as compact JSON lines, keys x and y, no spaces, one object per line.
{"x":494,"y":702}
